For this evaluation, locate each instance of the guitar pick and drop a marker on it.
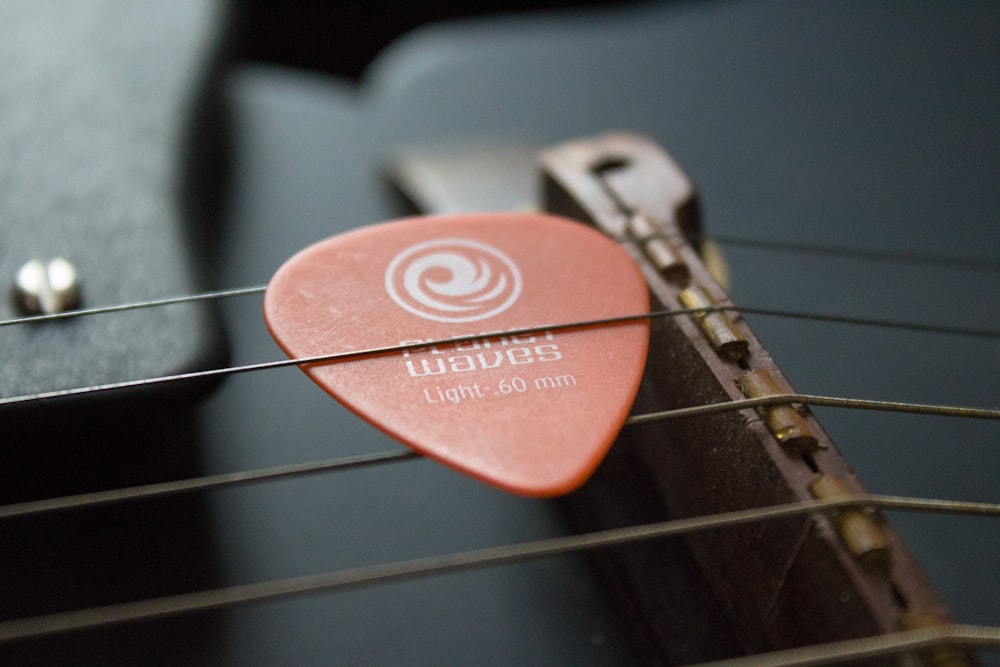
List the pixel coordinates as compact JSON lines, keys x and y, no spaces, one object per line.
{"x":532,"y":414}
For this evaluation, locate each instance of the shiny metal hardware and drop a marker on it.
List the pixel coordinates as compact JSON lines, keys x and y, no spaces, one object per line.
{"x":606,"y":179}
{"x":43,"y":288}
{"x":858,"y":530}
{"x":784,"y":421}
{"x":619,"y":183}
{"x":938,"y":655}
{"x":717,"y":327}
{"x":658,"y":249}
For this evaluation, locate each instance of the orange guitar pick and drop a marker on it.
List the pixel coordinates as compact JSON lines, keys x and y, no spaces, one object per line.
{"x":532,"y":414}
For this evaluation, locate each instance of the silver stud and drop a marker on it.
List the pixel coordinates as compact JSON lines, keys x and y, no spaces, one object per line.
{"x":43,"y":288}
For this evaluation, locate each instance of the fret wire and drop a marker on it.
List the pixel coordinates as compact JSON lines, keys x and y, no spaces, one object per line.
{"x":870,"y":647}
{"x":377,"y":351}
{"x":219,"y":598}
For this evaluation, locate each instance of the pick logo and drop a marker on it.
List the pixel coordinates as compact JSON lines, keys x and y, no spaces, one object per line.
{"x":474,"y":280}
{"x":531,"y":413}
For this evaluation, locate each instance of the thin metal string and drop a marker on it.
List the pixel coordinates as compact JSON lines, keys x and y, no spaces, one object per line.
{"x":926,"y":259}
{"x":822,"y":654}
{"x":219,"y":598}
{"x":387,"y":349}
{"x":870,"y":647}
{"x":224,"y":480}
{"x":811,"y":399}
{"x":231,"y":479}
{"x":136,"y":305}
{"x":205,"y":483}
{"x":933,"y":259}
{"x":771,"y":312}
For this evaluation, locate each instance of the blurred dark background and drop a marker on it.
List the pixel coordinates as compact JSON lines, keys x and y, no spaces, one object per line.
{"x":342,"y":38}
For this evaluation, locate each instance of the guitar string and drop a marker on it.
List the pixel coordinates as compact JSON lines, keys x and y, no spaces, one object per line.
{"x":136,"y":305}
{"x":932,"y":259}
{"x":288,"y":471}
{"x":797,"y":247}
{"x":223,"y":480}
{"x":219,"y":598}
{"x":751,"y":310}
{"x":307,"y":468}
{"x":817,"y":654}
{"x":471,"y":338}
{"x":204,"y":483}
{"x":229,"y":479}
{"x":892,"y":643}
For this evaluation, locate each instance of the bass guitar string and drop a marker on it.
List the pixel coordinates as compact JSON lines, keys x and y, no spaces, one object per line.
{"x":220,"y":598}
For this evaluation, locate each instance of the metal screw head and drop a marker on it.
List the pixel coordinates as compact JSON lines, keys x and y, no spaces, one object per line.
{"x":43,"y":288}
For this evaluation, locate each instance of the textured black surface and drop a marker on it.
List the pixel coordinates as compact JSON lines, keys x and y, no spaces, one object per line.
{"x":98,"y":102}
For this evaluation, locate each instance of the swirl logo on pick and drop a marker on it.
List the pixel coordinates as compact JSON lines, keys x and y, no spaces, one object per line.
{"x":453,"y":280}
